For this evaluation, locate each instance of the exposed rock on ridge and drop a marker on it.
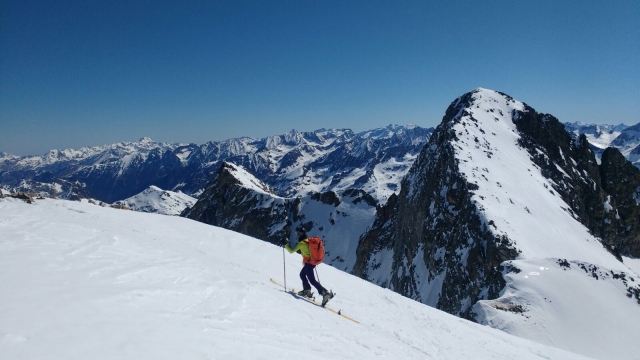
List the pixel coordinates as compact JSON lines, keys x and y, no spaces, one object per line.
{"x":460,"y":214}
{"x":236,"y":200}
{"x":224,"y":203}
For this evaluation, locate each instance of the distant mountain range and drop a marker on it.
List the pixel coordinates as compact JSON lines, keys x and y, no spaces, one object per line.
{"x":292,"y":164}
{"x":622,"y":137}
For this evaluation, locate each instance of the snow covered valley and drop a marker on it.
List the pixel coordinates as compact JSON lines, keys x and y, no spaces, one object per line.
{"x":81,"y":281}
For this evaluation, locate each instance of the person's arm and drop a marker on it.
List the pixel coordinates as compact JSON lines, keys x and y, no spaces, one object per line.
{"x":296,"y":248}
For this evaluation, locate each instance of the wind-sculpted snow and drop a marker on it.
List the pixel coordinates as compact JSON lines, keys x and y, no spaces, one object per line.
{"x":84,"y":282}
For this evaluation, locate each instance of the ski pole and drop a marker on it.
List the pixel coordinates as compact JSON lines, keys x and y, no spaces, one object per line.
{"x":284,"y":266}
{"x":318,"y":276}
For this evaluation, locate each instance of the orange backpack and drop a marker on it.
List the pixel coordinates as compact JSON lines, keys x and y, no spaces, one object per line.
{"x":316,"y":250}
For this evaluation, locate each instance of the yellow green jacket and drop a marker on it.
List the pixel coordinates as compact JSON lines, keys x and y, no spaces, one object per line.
{"x":303,"y":247}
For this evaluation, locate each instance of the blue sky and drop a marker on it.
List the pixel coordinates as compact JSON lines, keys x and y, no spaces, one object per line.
{"x":86,"y":73}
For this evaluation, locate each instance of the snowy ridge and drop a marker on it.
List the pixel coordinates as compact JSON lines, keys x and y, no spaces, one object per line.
{"x":494,"y":206}
{"x":533,"y":307}
{"x":535,"y":218}
{"x":96,"y":154}
{"x":247,"y":179}
{"x":86,"y":282}
{"x":490,"y":157}
{"x":156,"y":200}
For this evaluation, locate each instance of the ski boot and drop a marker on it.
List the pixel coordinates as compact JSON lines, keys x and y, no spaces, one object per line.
{"x":306,"y":293}
{"x":328,"y":295}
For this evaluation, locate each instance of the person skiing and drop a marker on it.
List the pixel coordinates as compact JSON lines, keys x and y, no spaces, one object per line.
{"x":306,"y":274}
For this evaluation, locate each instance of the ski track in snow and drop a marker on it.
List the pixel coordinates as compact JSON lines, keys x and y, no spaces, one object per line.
{"x":84,"y":282}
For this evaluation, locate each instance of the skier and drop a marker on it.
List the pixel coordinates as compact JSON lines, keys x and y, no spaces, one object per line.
{"x":306,"y":274}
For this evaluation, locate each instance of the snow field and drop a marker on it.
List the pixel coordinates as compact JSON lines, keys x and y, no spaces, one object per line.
{"x":559,"y":312}
{"x":81,"y":281}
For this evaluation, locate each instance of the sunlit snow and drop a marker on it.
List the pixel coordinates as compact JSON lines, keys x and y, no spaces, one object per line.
{"x":81,"y":281}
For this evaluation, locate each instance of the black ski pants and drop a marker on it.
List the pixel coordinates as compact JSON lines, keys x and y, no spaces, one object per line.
{"x":306,"y":275}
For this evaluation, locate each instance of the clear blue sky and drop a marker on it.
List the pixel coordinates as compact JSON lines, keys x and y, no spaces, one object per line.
{"x":85,"y":73}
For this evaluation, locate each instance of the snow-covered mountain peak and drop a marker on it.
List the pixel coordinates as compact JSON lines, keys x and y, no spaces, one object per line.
{"x":155,"y":200}
{"x":246,"y":179}
{"x":293,"y":136}
{"x":512,"y":194}
{"x":498,"y":192}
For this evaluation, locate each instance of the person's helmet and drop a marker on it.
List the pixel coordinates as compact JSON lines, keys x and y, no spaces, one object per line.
{"x":301,"y":234}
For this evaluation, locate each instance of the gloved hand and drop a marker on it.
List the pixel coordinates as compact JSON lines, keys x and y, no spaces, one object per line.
{"x":284,"y":242}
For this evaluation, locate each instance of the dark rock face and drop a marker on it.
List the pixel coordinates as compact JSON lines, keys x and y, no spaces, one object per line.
{"x":229,"y":204}
{"x":424,"y":229}
{"x":248,"y":206}
{"x":621,"y":182}
{"x":602,"y":197}
{"x":571,"y":165}
{"x":444,"y":252}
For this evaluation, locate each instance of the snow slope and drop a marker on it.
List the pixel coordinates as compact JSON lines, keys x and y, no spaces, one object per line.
{"x":545,"y":301}
{"x":521,"y":207}
{"x":84,"y":282}
{"x":156,"y":200}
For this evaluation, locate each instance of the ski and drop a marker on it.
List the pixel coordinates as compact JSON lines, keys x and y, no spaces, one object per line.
{"x":293,"y":292}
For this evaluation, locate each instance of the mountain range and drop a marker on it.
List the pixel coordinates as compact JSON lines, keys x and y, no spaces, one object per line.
{"x":293,"y":164}
{"x":491,"y":216}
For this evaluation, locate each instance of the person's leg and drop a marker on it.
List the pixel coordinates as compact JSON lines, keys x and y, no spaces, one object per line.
{"x":303,"y":277}
{"x":308,"y":270}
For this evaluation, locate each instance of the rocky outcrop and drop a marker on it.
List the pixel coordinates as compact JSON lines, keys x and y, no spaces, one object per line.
{"x":602,"y":197}
{"x":229,"y":203}
{"x":437,"y":240}
{"x":236,"y":200}
{"x":621,"y":182}
{"x":26,"y":197}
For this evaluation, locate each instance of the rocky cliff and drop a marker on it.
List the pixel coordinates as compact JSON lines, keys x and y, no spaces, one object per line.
{"x":236,"y":200}
{"x":495,"y":182}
